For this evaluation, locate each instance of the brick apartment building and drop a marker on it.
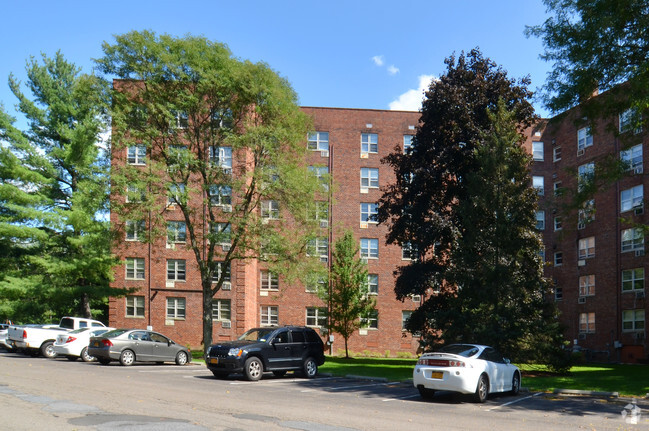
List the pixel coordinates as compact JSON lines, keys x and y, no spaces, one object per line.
{"x":600,"y":295}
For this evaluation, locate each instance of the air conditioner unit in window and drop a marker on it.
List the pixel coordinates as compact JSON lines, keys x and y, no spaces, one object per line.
{"x":416,"y":298}
{"x":638,"y":210}
{"x":581,"y":225}
{"x":227,"y":208}
{"x":637,"y":170}
{"x":581,"y":262}
{"x":363,"y":225}
{"x":364,"y":155}
{"x":639,"y":253}
{"x":580,"y":152}
{"x":639,"y":295}
{"x":226,"y":285}
{"x":226,"y":247}
{"x":324,"y":153}
{"x":226,"y":324}
{"x":364,"y":190}
{"x":324,"y":223}
{"x":581,"y":300}
{"x":171,"y":246}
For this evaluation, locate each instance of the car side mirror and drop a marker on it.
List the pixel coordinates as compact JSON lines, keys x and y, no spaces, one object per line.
{"x":507,"y":361}
{"x":169,"y":343}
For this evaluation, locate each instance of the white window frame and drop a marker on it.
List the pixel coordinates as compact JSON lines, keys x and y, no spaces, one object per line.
{"x":180,"y":119}
{"x":136,"y":267}
{"x":587,"y":285}
{"x":634,"y":279}
{"x":369,"y":143}
{"x":221,"y":310}
{"x":316,"y":317}
{"x":371,"y":321}
{"x":369,"y":212}
{"x":269,"y":210}
{"x":632,"y":239}
{"x":176,"y":193}
{"x":223,"y":232}
{"x":633,"y":320}
{"x":136,"y":155}
{"x":405,"y":315}
{"x":220,"y":195}
{"x":318,"y":247}
{"x":178,"y":268}
{"x":624,"y":121}
{"x":587,"y":323}
{"x":227,"y":277}
{"x":134,"y":230}
{"x":537,"y":151}
{"x":320,"y":172}
{"x":631,"y":198}
{"x":586,"y":247}
{"x":176,"y":308}
{"x":558,"y":258}
{"x":632,"y":157}
{"x":318,"y":141}
{"x":373,"y":284}
{"x":369,"y":248}
{"x":268,"y":282}
{"x":557,"y":223}
{"x":370,"y":178}
{"x":540,"y":220}
{"x":407,"y":142}
{"x":134,"y":306}
{"x":134,"y":194}
{"x":538,"y":182}
{"x":584,"y":138}
{"x":409,"y":251}
{"x":585,"y":174}
{"x":176,"y":232}
{"x":221,"y":157}
{"x":268,"y":315}
{"x":556,"y":154}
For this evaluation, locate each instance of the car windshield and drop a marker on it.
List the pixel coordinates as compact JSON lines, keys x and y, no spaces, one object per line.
{"x":466,"y":350}
{"x":114,"y":333}
{"x":259,"y":334}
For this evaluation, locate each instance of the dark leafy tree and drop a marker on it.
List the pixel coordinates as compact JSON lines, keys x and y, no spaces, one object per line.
{"x":348,"y":301}
{"x":54,"y":231}
{"x":462,"y":198}
{"x":220,"y":138}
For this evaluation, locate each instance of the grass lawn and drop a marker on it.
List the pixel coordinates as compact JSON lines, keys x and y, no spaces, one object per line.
{"x":626,"y":379}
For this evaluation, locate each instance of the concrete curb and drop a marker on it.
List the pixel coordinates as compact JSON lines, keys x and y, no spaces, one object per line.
{"x":588,"y":393}
{"x":372,"y":379}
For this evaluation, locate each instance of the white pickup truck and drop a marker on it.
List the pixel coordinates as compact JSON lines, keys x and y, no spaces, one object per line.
{"x":40,"y":338}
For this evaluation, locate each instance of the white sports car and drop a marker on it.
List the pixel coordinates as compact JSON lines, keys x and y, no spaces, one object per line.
{"x":467,"y":369}
{"x":74,"y":344}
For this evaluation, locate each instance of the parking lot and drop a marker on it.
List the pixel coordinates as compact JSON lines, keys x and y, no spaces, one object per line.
{"x":190,"y":398}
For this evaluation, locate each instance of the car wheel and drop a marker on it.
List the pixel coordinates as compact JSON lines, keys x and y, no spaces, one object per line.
{"x":482,"y":390}
{"x":127,"y":358}
{"x":85,"y":357}
{"x":280,"y":373}
{"x":47,"y":350}
{"x":72,"y":358}
{"x":181,"y":358}
{"x":310,"y":368}
{"x":516,"y":383}
{"x":425,"y":392}
{"x":220,"y":374}
{"x":253,"y":369}
{"x":104,"y":361}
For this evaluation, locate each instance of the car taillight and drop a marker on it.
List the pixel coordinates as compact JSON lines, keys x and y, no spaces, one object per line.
{"x":106,"y":343}
{"x":70,"y":339}
{"x":24,"y":333}
{"x":440,"y":363}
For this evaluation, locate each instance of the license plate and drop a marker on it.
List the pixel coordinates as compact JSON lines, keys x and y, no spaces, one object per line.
{"x":95,"y":343}
{"x":436,"y":375}
{"x":214,"y":360}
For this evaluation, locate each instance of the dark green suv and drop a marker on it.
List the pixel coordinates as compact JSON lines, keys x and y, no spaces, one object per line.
{"x":276,"y":349}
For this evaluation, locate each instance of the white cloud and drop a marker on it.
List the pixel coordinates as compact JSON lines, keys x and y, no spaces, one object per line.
{"x":392,"y":70}
{"x":378,"y":60}
{"x":411,"y":99}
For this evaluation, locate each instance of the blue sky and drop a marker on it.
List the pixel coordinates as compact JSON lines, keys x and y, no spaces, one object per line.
{"x":353,"y":54}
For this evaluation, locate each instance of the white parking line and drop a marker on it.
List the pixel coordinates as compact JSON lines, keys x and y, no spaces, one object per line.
{"x":401,"y":398}
{"x":359,"y":386}
{"x":281,"y":381}
{"x":515,"y":401}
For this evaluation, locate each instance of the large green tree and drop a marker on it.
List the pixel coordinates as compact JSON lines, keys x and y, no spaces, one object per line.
{"x":462,"y":199}
{"x":53,"y":196}
{"x":348,"y":297}
{"x":222,"y":140}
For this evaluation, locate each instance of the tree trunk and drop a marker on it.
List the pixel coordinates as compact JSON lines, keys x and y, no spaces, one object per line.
{"x":85,"y":306}
{"x":207,"y":315}
{"x":346,"y":351}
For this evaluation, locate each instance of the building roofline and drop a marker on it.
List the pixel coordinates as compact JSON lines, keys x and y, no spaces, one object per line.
{"x":360,"y":109}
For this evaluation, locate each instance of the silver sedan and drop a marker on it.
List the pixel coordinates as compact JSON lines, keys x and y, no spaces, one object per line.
{"x":130,"y":345}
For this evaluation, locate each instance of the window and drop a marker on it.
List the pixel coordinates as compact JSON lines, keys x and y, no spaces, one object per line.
{"x":135,"y":193}
{"x":586,"y":214}
{"x":176,"y":308}
{"x":558,"y":293}
{"x":221,"y":233}
{"x":632,"y":239}
{"x":584,"y":138}
{"x":135,"y":306}
{"x":369,"y":143}
{"x":370,"y":178}
{"x":407,"y":143}
{"x":556,"y":188}
{"x":318,"y":247}
{"x":221,"y":157}
{"x":537,"y":183}
{"x":319,"y":211}
{"x":316,"y":316}
{"x":222,"y":119}
{"x":268,"y":280}
{"x":180,"y":120}
{"x":369,"y":212}
{"x":315,"y":284}
{"x":135,"y":230}
{"x":176,"y":270}
{"x":371,"y":321}
{"x":405,"y":315}
{"x":632,"y":158}
{"x":585,"y":174}
{"x":558,"y":258}
{"x":136,"y":155}
{"x":587,"y":322}
{"x":587,"y":247}
{"x":268,"y":315}
{"x":220,"y":195}
{"x":537,"y":151}
{"x":373,"y":284}
{"x":557,"y":223}
{"x":370,"y":248}
{"x":556,"y":154}
{"x":409,"y":251}
{"x":321,"y":173}
{"x":632,"y":279}
{"x":270,"y":210}
{"x":631,"y":198}
{"x":540,"y":220}
{"x":627,"y":119}
{"x":176,"y":194}
{"x":222,"y":270}
{"x":176,"y":232}
{"x":587,"y":285}
{"x":318,"y":141}
{"x":633,"y":320}
{"x":134,"y":268}
{"x":221,"y":310}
